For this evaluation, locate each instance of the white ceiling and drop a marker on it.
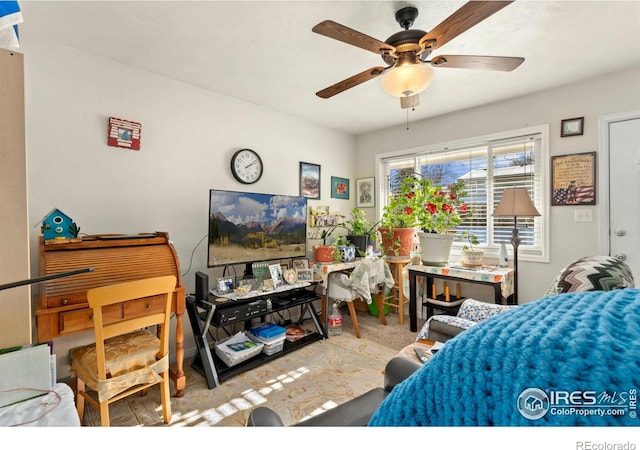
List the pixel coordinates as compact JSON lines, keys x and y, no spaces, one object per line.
{"x":265,"y":53}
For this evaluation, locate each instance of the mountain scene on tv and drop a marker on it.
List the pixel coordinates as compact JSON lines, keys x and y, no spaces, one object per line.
{"x":245,"y":227}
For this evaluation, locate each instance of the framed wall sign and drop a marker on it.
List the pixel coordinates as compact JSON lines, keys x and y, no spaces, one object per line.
{"x":340,"y":188}
{"x":573,"y":179}
{"x":124,"y":133}
{"x":310,"y":180}
{"x":572,"y":127}
{"x":365,"y":192}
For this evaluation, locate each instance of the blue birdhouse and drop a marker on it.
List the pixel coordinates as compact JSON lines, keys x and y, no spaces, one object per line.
{"x":57,"y":225}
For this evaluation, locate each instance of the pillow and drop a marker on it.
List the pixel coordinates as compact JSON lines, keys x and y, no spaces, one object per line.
{"x":592,"y":273}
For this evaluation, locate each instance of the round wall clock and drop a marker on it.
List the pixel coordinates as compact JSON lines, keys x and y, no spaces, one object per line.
{"x":246,"y":166}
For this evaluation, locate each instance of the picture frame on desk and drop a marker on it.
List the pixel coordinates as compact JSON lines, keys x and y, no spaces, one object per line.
{"x":305,"y":275}
{"x":267,"y":285}
{"x":276,"y":275}
{"x":302,"y":263}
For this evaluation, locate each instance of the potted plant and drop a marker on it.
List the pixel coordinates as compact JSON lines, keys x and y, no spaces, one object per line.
{"x":471,"y":256}
{"x":359,"y":230}
{"x":346,"y":250}
{"x":325,"y":252}
{"x":434,"y":209}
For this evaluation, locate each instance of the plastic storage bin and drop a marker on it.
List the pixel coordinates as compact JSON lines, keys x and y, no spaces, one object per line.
{"x":271,"y":335}
{"x":270,"y":349}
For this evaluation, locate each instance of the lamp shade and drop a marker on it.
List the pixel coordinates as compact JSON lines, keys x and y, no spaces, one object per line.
{"x":515,"y":202}
{"x":407,"y":80}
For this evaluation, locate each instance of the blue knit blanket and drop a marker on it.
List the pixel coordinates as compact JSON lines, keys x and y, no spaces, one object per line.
{"x":567,"y":360}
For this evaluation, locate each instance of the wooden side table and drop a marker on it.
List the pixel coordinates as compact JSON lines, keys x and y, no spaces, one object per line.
{"x":396,"y":299}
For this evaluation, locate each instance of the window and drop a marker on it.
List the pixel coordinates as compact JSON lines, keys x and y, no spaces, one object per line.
{"x":488,"y":166}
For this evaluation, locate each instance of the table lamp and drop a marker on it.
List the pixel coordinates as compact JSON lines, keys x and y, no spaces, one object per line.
{"x":517,"y":203}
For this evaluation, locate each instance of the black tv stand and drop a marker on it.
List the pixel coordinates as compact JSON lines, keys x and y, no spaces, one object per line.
{"x":215,"y":313}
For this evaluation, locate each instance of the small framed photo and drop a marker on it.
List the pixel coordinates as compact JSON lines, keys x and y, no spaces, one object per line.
{"x":225,"y":285}
{"x":302,"y":263}
{"x":305,"y":275}
{"x":365,"y":192}
{"x":340,"y":188}
{"x":124,"y":133}
{"x":276,"y":275}
{"x":310,"y":180}
{"x":572,"y":127}
{"x":267,"y":285}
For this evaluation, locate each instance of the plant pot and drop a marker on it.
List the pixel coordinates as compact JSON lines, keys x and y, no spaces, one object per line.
{"x":360,"y":243}
{"x":347,"y":253}
{"x":397,"y":242}
{"x":435,"y":248}
{"x":324,"y":253}
{"x":472,"y":257}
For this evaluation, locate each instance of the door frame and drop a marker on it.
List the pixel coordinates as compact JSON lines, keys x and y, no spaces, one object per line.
{"x":604,"y":176}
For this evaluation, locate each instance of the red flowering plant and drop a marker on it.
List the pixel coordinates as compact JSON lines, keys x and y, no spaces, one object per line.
{"x":434,"y":209}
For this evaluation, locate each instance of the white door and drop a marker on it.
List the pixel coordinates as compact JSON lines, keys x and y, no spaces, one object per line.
{"x":624,"y":192}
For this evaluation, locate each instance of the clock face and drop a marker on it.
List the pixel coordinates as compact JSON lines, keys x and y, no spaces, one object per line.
{"x":246,"y":166}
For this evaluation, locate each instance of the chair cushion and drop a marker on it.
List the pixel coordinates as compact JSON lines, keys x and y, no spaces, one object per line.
{"x":451,"y":322}
{"x":477,"y":311}
{"x":124,"y":353}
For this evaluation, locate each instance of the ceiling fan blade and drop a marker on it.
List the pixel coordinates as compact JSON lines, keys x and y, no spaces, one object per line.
{"x":467,"y":16}
{"x":501,"y":63}
{"x":334,"y":30}
{"x":351,"y":82}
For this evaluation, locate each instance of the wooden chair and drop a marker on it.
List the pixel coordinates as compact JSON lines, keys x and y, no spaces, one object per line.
{"x":126,"y":357}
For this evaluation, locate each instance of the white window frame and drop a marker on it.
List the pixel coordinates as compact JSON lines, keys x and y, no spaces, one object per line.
{"x":524,"y":254}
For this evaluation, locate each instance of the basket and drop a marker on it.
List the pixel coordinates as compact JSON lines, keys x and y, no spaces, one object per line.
{"x":230,"y":350}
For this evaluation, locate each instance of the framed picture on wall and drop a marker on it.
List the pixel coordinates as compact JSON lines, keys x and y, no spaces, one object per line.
{"x":572,"y":127}
{"x":365,"y":192}
{"x":573,"y":179}
{"x":340,"y":188}
{"x":310,"y":180}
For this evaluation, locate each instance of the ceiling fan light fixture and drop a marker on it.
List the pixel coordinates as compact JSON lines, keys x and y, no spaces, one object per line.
{"x":410,"y":101}
{"x":407,"y":80}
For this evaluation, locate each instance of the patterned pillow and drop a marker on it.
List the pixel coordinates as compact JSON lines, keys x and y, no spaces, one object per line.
{"x":592,"y":273}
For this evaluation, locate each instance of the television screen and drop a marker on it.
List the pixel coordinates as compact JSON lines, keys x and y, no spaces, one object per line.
{"x":247,"y":227}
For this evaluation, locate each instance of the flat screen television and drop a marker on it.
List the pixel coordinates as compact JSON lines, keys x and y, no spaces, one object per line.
{"x":247,"y":227}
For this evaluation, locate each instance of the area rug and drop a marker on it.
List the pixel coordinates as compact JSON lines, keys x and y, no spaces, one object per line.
{"x":298,"y":385}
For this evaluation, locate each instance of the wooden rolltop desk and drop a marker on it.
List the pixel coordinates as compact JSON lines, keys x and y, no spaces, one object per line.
{"x":64,"y":309}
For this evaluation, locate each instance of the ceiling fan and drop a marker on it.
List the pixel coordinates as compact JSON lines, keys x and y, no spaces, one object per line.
{"x":406,"y":53}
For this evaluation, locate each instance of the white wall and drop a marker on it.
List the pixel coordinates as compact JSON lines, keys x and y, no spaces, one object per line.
{"x":188,"y":137}
{"x":613,"y":93}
